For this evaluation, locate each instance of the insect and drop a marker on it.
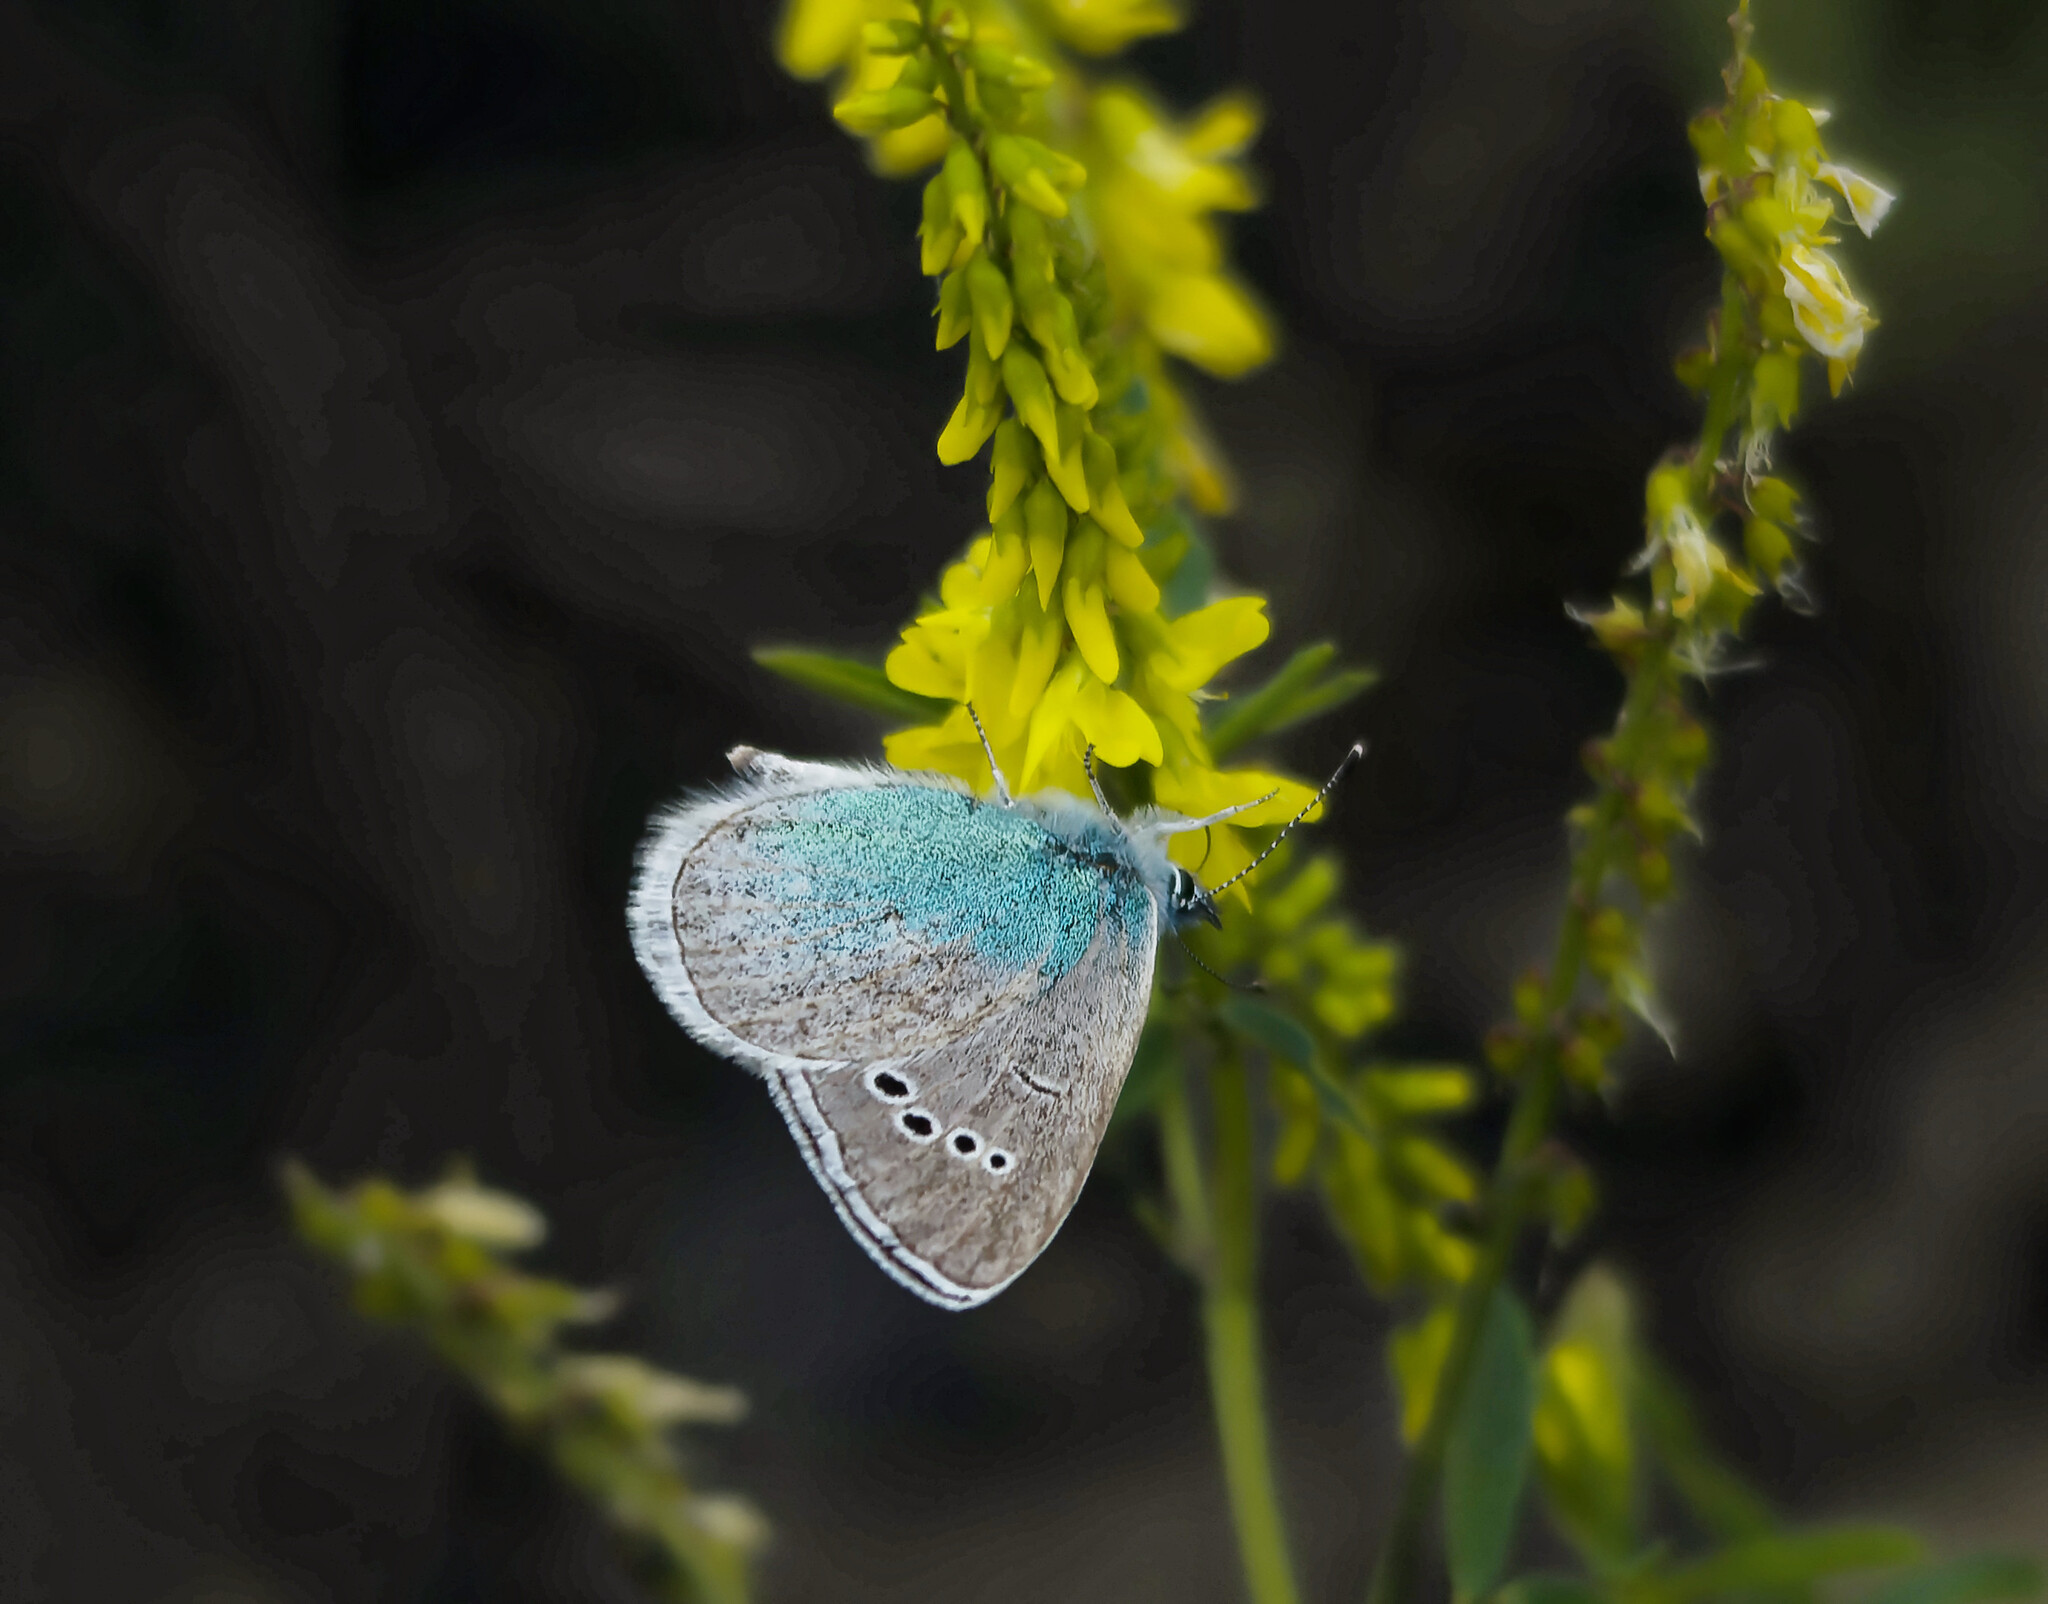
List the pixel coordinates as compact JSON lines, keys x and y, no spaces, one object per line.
{"x":943,"y":992}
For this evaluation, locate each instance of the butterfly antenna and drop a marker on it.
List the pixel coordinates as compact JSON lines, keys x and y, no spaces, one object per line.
{"x":1095,"y":785}
{"x":989,"y":752}
{"x":1250,"y":985}
{"x":1350,"y":762}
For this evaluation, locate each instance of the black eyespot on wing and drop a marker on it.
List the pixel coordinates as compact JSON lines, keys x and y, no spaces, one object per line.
{"x":965,"y":1143}
{"x":917,"y":1123}
{"x":890,"y":1086}
{"x":996,"y":1161}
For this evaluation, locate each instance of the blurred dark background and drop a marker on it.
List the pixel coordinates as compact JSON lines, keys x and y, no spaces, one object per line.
{"x":412,"y":410}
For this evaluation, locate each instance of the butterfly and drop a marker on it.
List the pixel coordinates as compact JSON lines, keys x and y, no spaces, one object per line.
{"x":943,"y":992}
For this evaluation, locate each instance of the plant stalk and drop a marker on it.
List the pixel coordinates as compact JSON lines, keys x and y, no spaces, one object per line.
{"x":1216,"y":1228}
{"x":1397,"y":1577}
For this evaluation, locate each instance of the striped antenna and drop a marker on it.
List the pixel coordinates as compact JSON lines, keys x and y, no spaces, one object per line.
{"x":1350,"y":762}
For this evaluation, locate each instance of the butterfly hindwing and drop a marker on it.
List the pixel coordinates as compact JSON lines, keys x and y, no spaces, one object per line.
{"x":943,"y":998}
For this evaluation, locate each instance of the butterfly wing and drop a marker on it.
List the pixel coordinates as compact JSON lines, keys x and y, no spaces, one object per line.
{"x":943,"y":1001}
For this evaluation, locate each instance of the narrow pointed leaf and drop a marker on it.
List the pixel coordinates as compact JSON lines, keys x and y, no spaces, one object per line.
{"x":1979,"y":1579}
{"x":1719,"y":1499}
{"x":1790,"y":1559}
{"x":1299,"y":691}
{"x":1267,"y":1027}
{"x":1486,"y":1460}
{"x":1550,"y":1590}
{"x":846,"y":680}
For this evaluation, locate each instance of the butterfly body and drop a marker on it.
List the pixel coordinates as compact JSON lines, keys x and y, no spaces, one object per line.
{"x":944,"y":993}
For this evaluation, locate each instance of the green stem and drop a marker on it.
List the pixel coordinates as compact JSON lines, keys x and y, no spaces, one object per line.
{"x":1216,"y":1232}
{"x":1397,"y":1578}
{"x":1230,"y":1315}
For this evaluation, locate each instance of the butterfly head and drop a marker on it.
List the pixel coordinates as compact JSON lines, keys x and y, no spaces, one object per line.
{"x":1187,"y":901}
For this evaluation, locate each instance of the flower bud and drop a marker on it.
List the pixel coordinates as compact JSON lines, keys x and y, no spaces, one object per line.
{"x":1013,"y":462}
{"x":990,"y":294}
{"x":878,"y":110}
{"x":953,"y":311}
{"x":967,"y":188}
{"x":992,"y":64}
{"x":1106,"y":493}
{"x":896,"y":37}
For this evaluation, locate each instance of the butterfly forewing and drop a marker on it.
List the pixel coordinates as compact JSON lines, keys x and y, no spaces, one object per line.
{"x":944,"y":998}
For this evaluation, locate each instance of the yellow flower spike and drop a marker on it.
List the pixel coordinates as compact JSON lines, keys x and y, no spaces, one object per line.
{"x":817,"y":35}
{"x":1130,"y":586}
{"x":1085,"y":600}
{"x":1045,"y":521}
{"x":1106,"y":493}
{"x":1115,"y":725}
{"x":1868,"y":204}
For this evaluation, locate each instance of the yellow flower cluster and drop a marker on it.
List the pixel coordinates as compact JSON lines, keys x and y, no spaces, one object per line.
{"x":1763,"y":171}
{"x":1070,"y":227}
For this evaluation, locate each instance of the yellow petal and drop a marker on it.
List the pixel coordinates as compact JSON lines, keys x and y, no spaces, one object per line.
{"x":817,"y":35}
{"x":1038,"y":653}
{"x":1202,"y":642}
{"x":903,"y":151}
{"x":1867,"y":203}
{"x":1088,"y":618}
{"x":1051,"y":720}
{"x":1103,"y":27}
{"x":1129,"y":584}
{"x":916,"y":666}
{"x":1224,"y":127}
{"x":1209,"y":321}
{"x":1115,"y":726}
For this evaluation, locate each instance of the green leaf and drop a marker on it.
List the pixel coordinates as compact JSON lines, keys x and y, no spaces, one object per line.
{"x":1297,"y":692}
{"x":846,"y":680}
{"x":1978,"y":1579}
{"x":1723,"y":1503}
{"x":1542,"y":1589}
{"x":1790,"y":1559}
{"x":1267,"y":1027}
{"x":1287,"y":1040}
{"x":1486,"y":1459}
